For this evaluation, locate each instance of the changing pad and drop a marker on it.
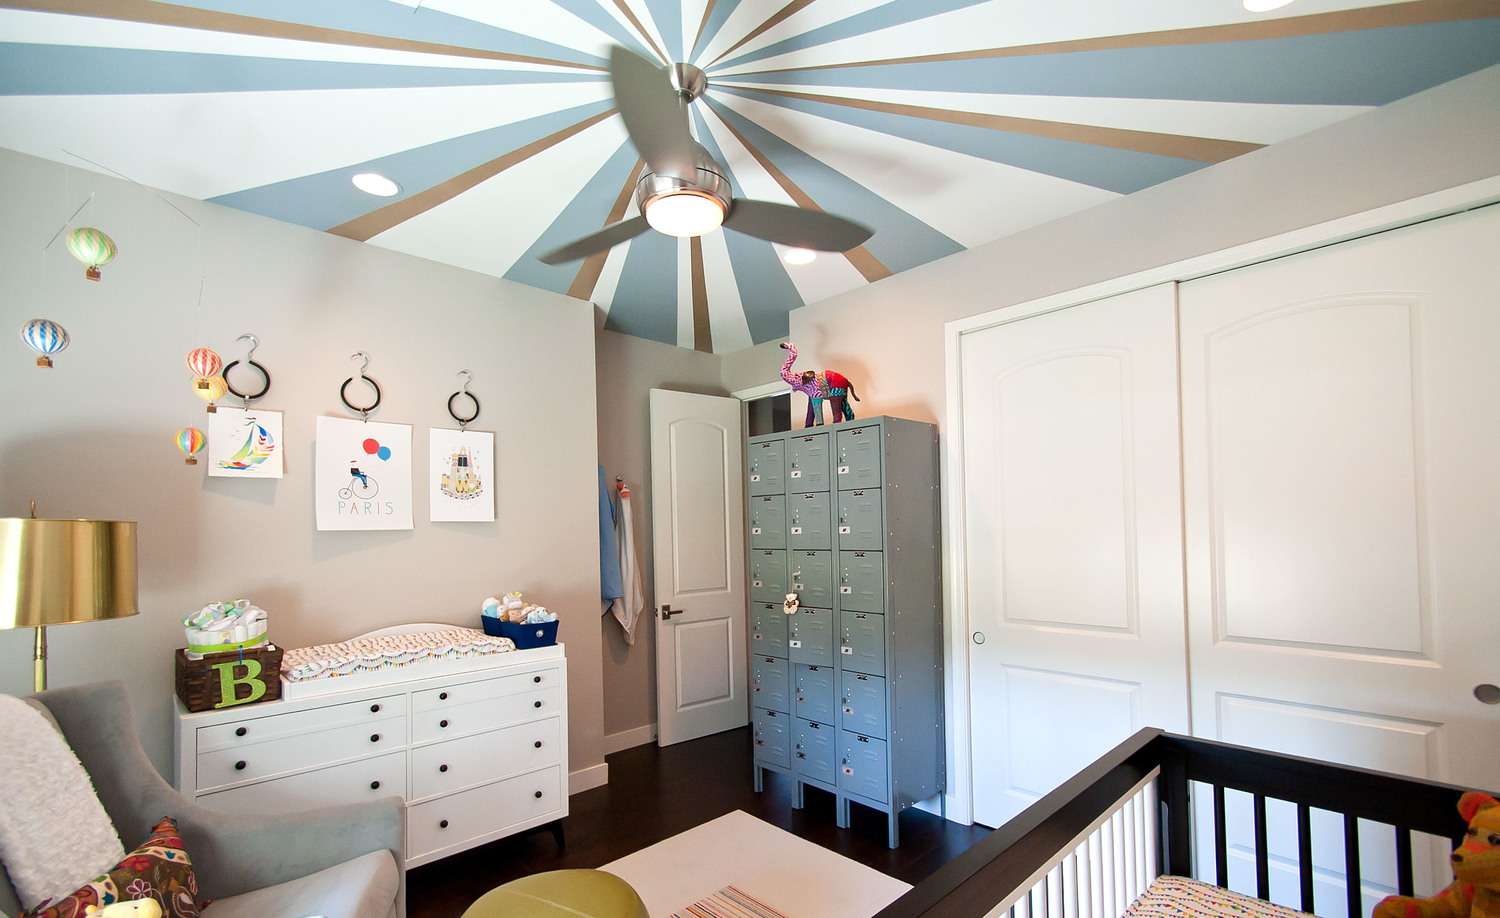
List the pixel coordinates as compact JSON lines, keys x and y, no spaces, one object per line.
{"x":1184,"y":898}
{"x":305,"y":665}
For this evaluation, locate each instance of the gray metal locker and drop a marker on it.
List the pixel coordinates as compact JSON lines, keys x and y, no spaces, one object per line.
{"x":765,"y":463}
{"x":771,"y":736}
{"x":860,"y":522}
{"x":814,"y":751}
{"x":858,"y":458}
{"x":768,"y":521}
{"x":813,"y":693}
{"x":862,"y":766}
{"x":810,"y":637}
{"x":809,"y":520}
{"x":811,"y":577}
{"x":770,"y":684}
{"x":862,"y":703}
{"x":862,"y":642}
{"x":862,"y":581}
{"x":768,"y":575}
{"x":768,"y":623}
{"x":808,"y":463}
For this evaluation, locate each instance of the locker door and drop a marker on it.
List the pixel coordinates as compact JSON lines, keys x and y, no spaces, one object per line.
{"x":863,"y":642}
{"x":862,"y":702}
{"x":862,"y":766}
{"x":767,"y":575}
{"x":813,"y":694}
{"x":810,"y":520}
{"x":770,"y":686}
{"x":812,"y":577}
{"x":768,"y":629}
{"x":810,"y":637}
{"x":814,"y":751}
{"x":860,"y":524}
{"x":861,"y":581}
{"x":767,"y":467}
{"x":859,"y":458}
{"x":768,"y":521}
{"x":808,"y":463}
{"x":772,"y":736}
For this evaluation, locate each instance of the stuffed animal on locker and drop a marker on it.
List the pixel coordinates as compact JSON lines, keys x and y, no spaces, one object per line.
{"x":1475,"y":890}
{"x":817,"y":386}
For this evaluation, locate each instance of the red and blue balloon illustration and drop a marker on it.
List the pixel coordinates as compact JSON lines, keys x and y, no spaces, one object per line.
{"x":372,"y":447}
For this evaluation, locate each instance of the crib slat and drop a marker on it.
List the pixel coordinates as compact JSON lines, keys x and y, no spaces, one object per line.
{"x":1221,"y":840}
{"x":1117,"y":834}
{"x":1153,"y":816}
{"x":1304,"y":855}
{"x":1262,"y":851}
{"x":1096,"y":874}
{"x":1351,"y":865}
{"x":1055,"y":892}
{"x":1127,"y":816}
{"x":1069,"y":869}
{"x":1404,"y":882}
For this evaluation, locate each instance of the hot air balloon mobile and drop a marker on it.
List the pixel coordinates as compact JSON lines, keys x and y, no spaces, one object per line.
{"x":203,"y":362}
{"x":93,"y":248}
{"x":46,"y":338}
{"x":190,"y":442}
{"x":210,"y":389}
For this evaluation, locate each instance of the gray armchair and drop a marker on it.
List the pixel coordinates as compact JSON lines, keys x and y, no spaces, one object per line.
{"x":335,"y":862}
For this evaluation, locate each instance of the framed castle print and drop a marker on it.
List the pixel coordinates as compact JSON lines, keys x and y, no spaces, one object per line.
{"x":461,"y":476}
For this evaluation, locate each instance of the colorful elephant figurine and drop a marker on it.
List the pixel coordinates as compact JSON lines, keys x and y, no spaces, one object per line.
{"x":829,"y":384}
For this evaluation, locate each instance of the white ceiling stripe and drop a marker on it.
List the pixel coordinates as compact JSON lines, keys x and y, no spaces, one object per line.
{"x":653,"y":28}
{"x":684,"y":293}
{"x":545,"y":21}
{"x":692,"y":17}
{"x":726,"y":314}
{"x":812,"y":16}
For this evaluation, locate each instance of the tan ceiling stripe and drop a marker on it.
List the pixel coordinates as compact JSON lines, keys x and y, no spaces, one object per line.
{"x":169,"y":14}
{"x":708,"y":10}
{"x":587,"y":277}
{"x":776,"y":18}
{"x":703,"y":336}
{"x":1419,"y":12}
{"x":378,"y":221}
{"x":860,"y":257}
{"x":1201,"y":149}
{"x":646,"y":36}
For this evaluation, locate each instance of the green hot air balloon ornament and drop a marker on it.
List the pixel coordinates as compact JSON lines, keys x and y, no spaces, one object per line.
{"x":93,"y":248}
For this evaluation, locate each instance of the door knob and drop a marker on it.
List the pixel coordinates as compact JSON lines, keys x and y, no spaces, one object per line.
{"x":667,"y":612}
{"x":1487,"y":692}
{"x":979,"y":637}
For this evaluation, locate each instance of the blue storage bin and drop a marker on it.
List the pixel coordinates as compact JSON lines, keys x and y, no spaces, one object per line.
{"x":524,"y":636}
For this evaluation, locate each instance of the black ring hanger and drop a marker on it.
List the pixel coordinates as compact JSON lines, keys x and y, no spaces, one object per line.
{"x":463,"y":422}
{"x":344,"y":389}
{"x":249,"y":361}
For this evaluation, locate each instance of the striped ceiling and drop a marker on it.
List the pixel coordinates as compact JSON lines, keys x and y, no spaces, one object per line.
{"x":942,"y":124}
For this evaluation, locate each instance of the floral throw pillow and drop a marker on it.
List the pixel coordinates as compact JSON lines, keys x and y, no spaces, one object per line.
{"x":159,"y":868}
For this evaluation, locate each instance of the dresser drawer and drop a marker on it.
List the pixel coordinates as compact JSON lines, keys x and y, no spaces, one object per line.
{"x":445,"y":767}
{"x":452,"y":720}
{"x":454,"y":820}
{"x":353,"y":782}
{"x":271,"y":725}
{"x":465,"y":692}
{"x":294,"y":753}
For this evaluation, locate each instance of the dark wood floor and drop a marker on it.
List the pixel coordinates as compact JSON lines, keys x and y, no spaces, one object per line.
{"x":656,"y":793}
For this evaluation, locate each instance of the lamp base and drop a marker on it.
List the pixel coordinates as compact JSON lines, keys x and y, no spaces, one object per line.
{"x":39,"y":660}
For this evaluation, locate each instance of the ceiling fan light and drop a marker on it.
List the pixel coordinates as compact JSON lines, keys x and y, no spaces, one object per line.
{"x":798,"y":256}
{"x":684,"y":213}
{"x":1264,"y":6}
{"x":376,"y":184}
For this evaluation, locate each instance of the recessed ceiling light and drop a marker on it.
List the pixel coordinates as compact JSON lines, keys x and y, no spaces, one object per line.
{"x":1265,"y":6}
{"x":376,"y":184}
{"x":798,"y":256}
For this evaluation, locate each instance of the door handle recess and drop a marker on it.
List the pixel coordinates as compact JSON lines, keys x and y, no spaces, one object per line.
{"x":667,"y":612}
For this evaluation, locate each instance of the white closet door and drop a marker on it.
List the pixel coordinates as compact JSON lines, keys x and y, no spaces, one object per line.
{"x":1342,"y":482}
{"x":1073,"y":558}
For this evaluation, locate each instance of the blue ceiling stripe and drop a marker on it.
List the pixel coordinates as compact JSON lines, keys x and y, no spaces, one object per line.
{"x":49,"y":70}
{"x":667,"y":14}
{"x":592,"y":13}
{"x":901,"y":241}
{"x":584,"y":214}
{"x":327,"y":199}
{"x":897,"y":12}
{"x":716,"y":19}
{"x":645,"y":303}
{"x":1367,"y":67}
{"x":767,"y":293}
{"x":395,"y":20}
{"x":1111,"y":168}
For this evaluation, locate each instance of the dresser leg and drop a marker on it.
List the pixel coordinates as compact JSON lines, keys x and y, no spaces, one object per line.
{"x":556,"y":828}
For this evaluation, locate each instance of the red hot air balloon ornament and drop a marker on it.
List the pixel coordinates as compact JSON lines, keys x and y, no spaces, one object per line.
{"x":204,"y":363}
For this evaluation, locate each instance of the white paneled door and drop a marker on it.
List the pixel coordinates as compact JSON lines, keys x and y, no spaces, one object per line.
{"x":1073,"y":541}
{"x":1342,"y":483}
{"x":698,"y":537}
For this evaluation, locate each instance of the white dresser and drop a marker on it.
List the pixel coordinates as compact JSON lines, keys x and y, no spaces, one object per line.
{"x":477,"y":755}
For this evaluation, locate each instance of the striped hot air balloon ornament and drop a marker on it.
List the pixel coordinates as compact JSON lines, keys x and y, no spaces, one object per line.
{"x":210,"y":389}
{"x":203,"y":362}
{"x":190,"y":442}
{"x":92,"y":247}
{"x":46,"y":338}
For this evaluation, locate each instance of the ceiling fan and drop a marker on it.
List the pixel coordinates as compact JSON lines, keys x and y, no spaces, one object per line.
{"x":684,"y":191}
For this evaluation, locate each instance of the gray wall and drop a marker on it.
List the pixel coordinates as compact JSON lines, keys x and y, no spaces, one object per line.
{"x":94,"y":436}
{"x":628,"y":369}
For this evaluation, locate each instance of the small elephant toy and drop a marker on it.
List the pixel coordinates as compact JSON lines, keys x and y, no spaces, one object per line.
{"x":829,"y":384}
{"x":1475,"y":890}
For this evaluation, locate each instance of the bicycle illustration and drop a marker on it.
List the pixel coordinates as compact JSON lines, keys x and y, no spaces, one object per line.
{"x":360,"y":486}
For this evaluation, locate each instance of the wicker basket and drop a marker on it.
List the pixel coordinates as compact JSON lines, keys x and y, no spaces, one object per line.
{"x":247,"y":676}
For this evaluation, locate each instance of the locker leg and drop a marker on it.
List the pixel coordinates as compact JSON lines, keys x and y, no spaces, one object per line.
{"x":841,"y":813}
{"x":796,"y":795}
{"x":893,"y":830}
{"x":760,"y":781}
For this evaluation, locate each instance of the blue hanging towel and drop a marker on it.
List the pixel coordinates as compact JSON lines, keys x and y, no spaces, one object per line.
{"x":611,"y":584}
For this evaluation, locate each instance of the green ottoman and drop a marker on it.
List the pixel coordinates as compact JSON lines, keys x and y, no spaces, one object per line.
{"x":563,"y":894}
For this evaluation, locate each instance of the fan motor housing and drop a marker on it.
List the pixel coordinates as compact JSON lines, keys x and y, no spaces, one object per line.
{"x":709,"y":181}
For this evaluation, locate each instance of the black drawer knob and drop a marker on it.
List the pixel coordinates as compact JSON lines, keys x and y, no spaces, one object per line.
{"x":537,"y":744}
{"x":442,"y":723}
{"x":443,"y":768}
{"x":536,"y":704}
{"x":536,"y":678}
{"x":374,"y":785}
{"x":374,"y":709}
{"x":240,"y":731}
{"x":374,"y":737}
{"x":240,"y":765}
{"x":443,"y":824}
{"x":442,"y":696}
{"x":538,"y":795}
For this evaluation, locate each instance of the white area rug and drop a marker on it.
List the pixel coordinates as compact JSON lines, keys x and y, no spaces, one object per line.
{"x":796,"y":877}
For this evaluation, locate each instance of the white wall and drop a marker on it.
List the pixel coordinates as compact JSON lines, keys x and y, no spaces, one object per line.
{"x":94,"y":436}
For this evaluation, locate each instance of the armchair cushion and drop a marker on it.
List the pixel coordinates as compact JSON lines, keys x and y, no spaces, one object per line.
{"x":362,"y":888}
{"x":159,"y":868}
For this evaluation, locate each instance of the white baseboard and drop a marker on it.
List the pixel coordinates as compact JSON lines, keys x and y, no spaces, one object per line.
{"x":588,"y":778}
{"x":629,"y":739}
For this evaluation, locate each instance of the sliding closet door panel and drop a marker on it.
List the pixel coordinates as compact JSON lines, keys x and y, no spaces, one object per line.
{"x":1072,"y":525}
{"x":1340,"y":447}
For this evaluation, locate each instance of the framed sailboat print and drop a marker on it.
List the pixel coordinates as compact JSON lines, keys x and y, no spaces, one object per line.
{"x":245,"y":444}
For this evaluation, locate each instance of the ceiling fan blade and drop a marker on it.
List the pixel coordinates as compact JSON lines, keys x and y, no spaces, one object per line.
{"x":795,"y":226}
{"x":655,"y":115}
{"x":607,"y":238}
